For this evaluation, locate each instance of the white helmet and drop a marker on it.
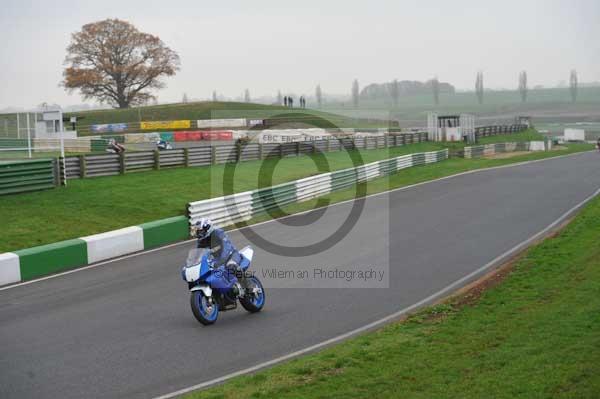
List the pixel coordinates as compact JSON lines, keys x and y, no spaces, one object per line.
{"x":204,"y":228}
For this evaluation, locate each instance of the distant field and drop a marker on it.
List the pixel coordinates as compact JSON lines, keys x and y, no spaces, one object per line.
{"x":545,"y":105}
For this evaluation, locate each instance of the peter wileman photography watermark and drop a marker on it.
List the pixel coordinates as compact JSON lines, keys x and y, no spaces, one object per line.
{"x":323,"y":273}
{"x":318,"y":149}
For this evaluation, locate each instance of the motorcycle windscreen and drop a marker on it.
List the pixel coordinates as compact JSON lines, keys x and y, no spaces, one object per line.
{"x":195,"y":257}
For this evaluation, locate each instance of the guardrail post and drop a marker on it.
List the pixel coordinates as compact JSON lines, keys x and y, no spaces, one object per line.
{"x":281,"y":150}
{"x":297,"y":148}
{"x":328,"y":146}
{"x":56,"y":171}
{"x":156,"y":160}
{"x":62,"y":171}
{"x":260,"y":151}
{"x":213,"y":154}
{"x":238,"y":152}
{"x":186,"y":157}
{"x":122,"y":163}
{"x":82,"y":166}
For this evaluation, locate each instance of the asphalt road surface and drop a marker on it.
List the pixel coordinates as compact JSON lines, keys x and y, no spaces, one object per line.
{"x":125,"y":329}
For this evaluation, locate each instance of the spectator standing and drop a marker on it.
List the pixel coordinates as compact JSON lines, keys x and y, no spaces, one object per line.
{"x":291,"y":102}
{"x":285,"y":101}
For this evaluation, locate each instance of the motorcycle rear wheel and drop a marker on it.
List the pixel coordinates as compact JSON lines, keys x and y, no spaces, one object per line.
{"x":253,"y":302}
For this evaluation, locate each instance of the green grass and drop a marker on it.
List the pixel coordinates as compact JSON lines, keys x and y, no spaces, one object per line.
{"x":95,"y":205}
{"x":534,"y":335}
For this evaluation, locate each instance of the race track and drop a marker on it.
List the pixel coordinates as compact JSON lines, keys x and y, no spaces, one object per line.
{"x":125,"y":329}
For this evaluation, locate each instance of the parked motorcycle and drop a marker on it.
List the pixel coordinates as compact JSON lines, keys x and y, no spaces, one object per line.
{"x":217,"y":289}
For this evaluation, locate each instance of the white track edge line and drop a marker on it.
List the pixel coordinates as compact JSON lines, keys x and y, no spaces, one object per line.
{"x":514,"y":250}
{"x":79,"y":269}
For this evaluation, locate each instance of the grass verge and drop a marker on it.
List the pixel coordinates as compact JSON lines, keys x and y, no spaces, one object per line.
{"x":535,"y":334}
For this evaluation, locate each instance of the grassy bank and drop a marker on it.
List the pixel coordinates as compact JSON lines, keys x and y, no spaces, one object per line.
{"x":216,"y":110}
{"x":536,"y":334}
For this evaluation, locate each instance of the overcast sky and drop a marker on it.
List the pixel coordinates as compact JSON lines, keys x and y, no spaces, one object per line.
{"x":266,"y":45}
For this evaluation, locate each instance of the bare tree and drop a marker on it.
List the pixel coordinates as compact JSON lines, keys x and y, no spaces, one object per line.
{"x":355,"y":93}
{"x":479,"y":87}
{"x":574,"y":83}
{"x":319,"y":95}
{"x":279,"y":98}
{"x":435,"y":88}
{"x":214,"y":96}
{"x":523,"y":86}
{"x":395,"y":92}
{"x":184,"y":99}
{"x":247,"y":96}
{"x":113,"y":62}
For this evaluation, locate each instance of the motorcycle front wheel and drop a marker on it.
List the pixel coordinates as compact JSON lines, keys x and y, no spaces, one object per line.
{"x":204,"y":310}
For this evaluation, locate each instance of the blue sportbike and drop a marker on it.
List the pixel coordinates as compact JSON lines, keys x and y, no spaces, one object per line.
{"x":217,"y":289}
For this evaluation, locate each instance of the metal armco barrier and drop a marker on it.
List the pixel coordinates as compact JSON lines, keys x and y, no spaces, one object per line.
{"x":491,"y":149}
{"x":243,"y":206}
{"x":486,"y":131}
{"x":93,"y":165}
{"x":30,"y":175}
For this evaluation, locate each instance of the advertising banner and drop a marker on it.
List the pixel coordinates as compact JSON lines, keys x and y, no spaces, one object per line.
{"x":225,"y":136}
{"x":180,"y":136}
{"x":194,"y":136}
{"x":158,"y":125}
{"x":166,"y":136}
{"x":109,"y":128}
{"x":210,"y":123}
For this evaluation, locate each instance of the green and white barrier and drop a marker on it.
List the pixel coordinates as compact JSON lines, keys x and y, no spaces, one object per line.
{"x":27,"y":264}
{"x":234,"y":208}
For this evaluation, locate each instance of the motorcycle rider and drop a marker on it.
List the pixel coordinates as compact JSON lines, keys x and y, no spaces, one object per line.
{"x":115,"y":147}
{"x":163,"y":145}
{"x":221,"y":247}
